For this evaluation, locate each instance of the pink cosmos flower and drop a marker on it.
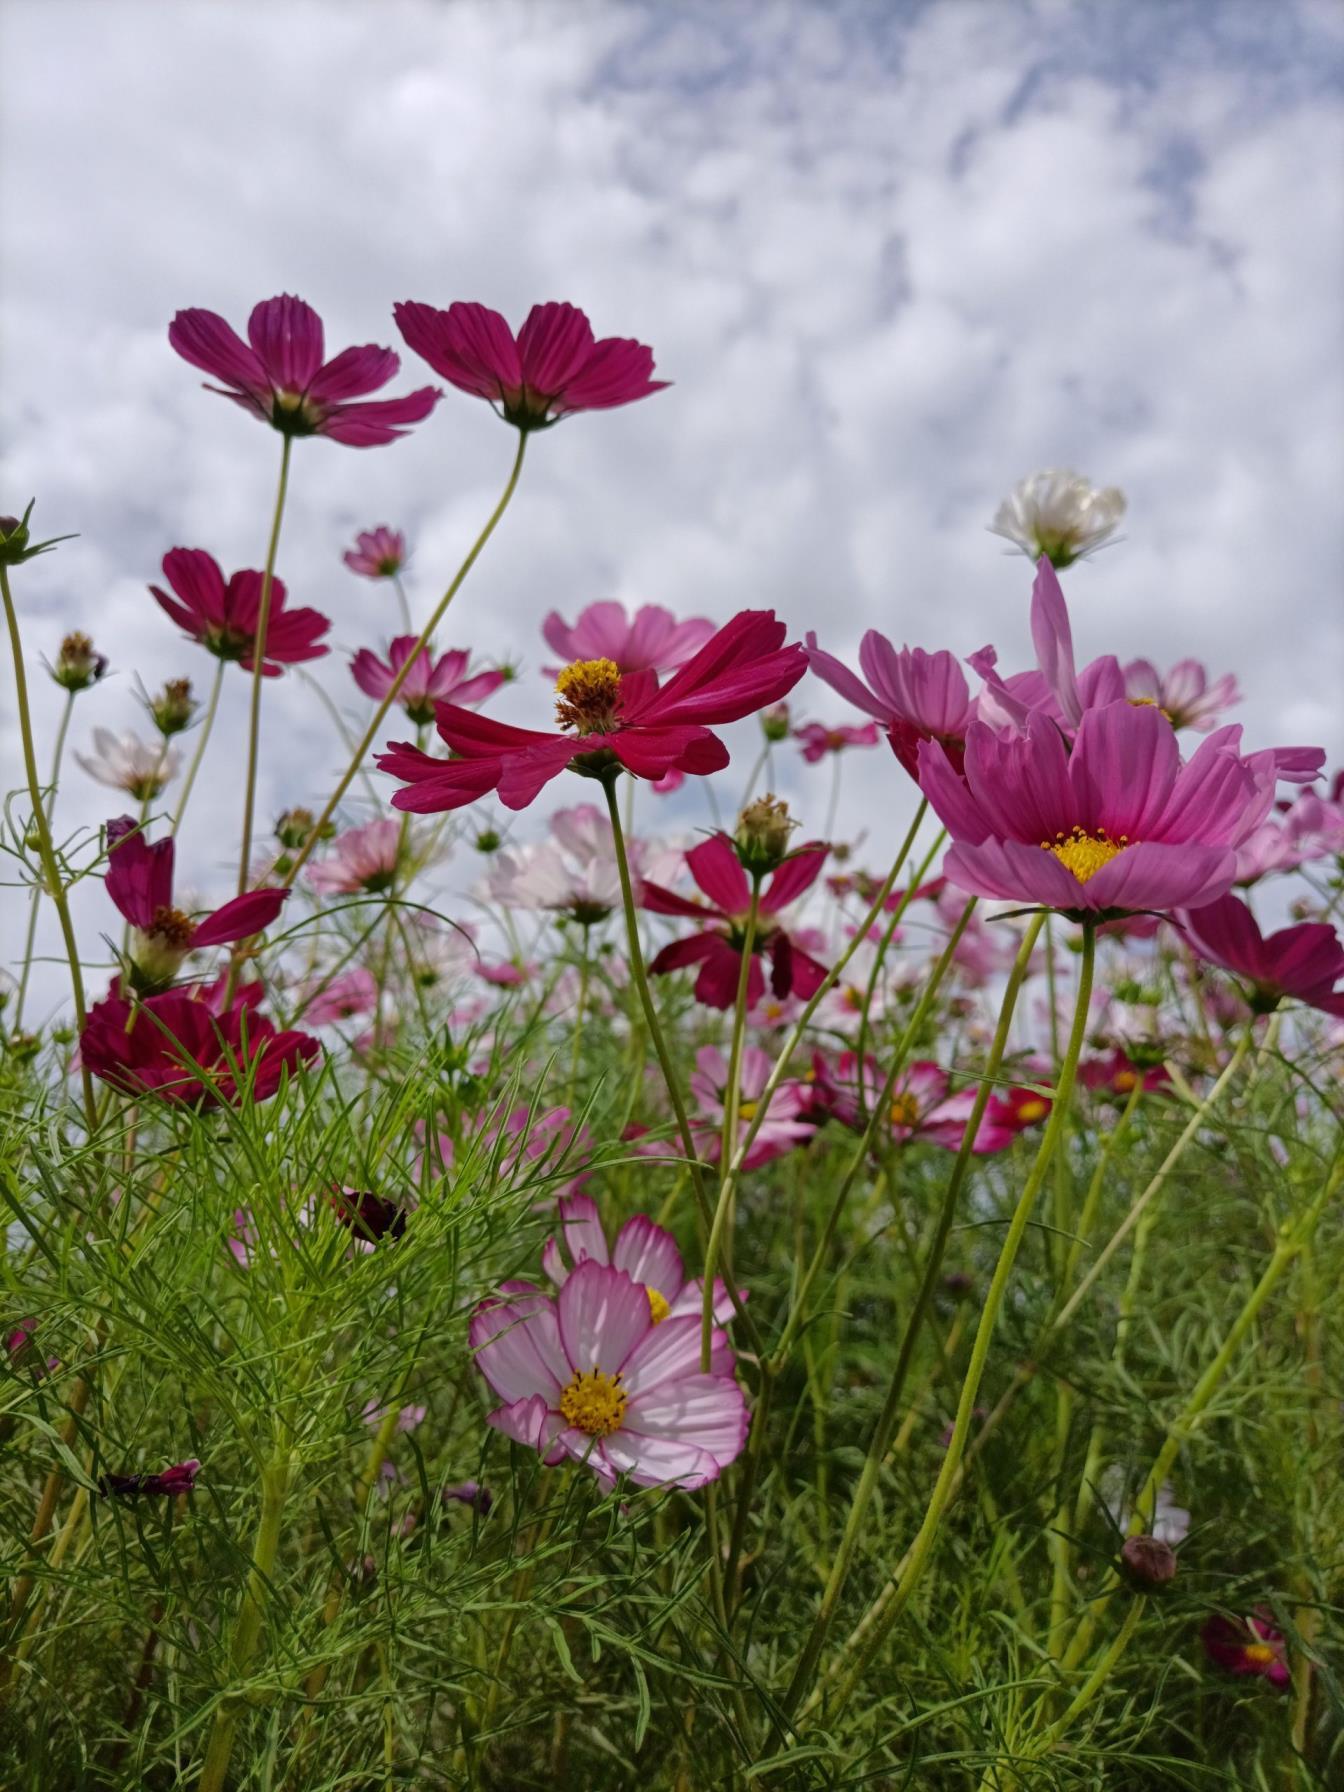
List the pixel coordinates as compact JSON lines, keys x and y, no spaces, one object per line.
{"x":429,"y":682}
{"x":547,"y":1143}
{"x":1118,"y":1074}
{"x":180,"y":1478}
{"x":647,"y":1254}
{"x":140,"y":882}
{"x":591,"y":1375}
{"x":652,"y":640}
{"x":920,"y":1107}
{"x":1185,"y":696}
{"x":361,"y":859}
{"x":717,"y":949}
{"x":378,"y":553}
{"x":783,"y":1127}
{"x":1303,"y":963}
{"x":342,"y":998}
{"x":554,"y":366}
{"x":613,"y":720}
{"x":1118,"y":824}
{"x":1249,"y":1645}
{"x":668,"y":783}
{"x":223,"y":617}
{"x":182,"y":1048}
{"x":819,"y":740}
{"x":1315,"y":824}
{"x":1267,"y":849}
{"x":574,"y":873}
{"x":407,"y":1420}
{"x":279,"y":374}
{"x":916,"y":696}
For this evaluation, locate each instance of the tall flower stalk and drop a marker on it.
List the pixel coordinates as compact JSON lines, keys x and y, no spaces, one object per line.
{"x":35,"y":900}
{"x":259,"y":667}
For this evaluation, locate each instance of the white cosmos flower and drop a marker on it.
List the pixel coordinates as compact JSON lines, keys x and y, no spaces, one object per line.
{"x":1059,"y":514}
{"x":574,"y":872}
{"x":125,"y":762}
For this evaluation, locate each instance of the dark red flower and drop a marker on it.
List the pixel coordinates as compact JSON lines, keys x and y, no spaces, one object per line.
{"x":1249,"y":1645}
{"x":223,"y":617}
{"x":369,"y":1216}
{"x":1303,"y":963}
{"x":180,"y":1478}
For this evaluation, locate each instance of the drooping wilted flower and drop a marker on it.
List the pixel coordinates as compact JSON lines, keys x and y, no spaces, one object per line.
{"x":1059,"y":514}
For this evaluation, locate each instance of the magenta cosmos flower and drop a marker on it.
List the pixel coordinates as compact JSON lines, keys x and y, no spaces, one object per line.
{"x":916,"y":696}
{"x":280,"y":376}
{"x":1185,"y":695}
{"x":552,"y":368}
{"x":783,"y":1127}
{"x":1249,"y":1645}
{"x":921,"y":1108}
{"x":1302,"y":964}
{"x":818,"y":740}
{"x":140,"y":882}
{"x":717,"y":948}
{"x":378,"y":553}
{"x":180,"y":1478}
{"x":223,"y":617}
{"x":180,"y":1048}
{"x":652,"y":640}
{"x":430,"y":681}
{"x":610,"y":721}
{"x":593,"y":1376}
{"x":1118,"y":824}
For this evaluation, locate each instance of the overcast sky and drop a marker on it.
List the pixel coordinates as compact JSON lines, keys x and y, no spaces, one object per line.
{"x":893,"y":257}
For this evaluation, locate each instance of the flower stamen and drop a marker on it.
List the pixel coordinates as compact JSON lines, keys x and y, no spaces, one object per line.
{"x":1084,"y":854}
{"x":588,"y":693}
{"x":595,"y":1403}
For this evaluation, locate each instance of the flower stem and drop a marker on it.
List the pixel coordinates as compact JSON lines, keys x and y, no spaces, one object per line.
{"x":35,"y":900}
{"x":357,"y":758}
{"x":731,"y":1096}
{"x":46,"y":851}
{"x":202,"y":740}
{"x":258,"y":669}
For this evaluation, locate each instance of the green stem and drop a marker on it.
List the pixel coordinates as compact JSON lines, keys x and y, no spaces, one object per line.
{"x":258,"y":665}
{"x":585,"y":973}
{"x":202,"y":741}
{"x":46,"y":851}
{"x":400,"y":590}
{"x":35,"y":900}
{"x":880,"y":956}
{"x":393,"y":690}
{"x":731,"y":1099}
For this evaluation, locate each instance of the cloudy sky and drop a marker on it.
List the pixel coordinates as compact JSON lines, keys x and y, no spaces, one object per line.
{"x":893,"y":256}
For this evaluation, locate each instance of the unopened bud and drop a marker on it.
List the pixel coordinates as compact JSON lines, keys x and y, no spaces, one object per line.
{"x":775,"y":722}
{"x":174,"y":707}
{"x":1148,"y":1564}
{"x":762,"y":837}
{"x":959,"y":1285}
{"x":77,"y":665}
{"x":487,"y":841}
{"x":16,"y":545}
{"x":296,"y":825}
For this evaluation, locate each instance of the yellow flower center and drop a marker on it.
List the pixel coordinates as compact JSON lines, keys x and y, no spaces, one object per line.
{"x":1259,"y":1653}
{"x":1034,"y":1109}
{"x":746,"y":1110}
{"x":594,"y":1402}
{"x":172,"y":928}
{"x":658,"y":1306}
{"x":904,"y":1110}
{"x":1084,"y":854}
{"x":1123,"y":1081}
{"x":588,"y":693}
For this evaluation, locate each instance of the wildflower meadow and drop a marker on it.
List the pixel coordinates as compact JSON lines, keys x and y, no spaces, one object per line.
{"x":516,"y":1294}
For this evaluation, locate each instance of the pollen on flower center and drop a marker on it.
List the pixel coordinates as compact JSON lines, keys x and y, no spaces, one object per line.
{"x":658,"y":1306}
{"x":746,"y":1110}
{"x":171,"y":927}
{"x":1084,"y":854}
{"x":1260,"y":1653}
{"x":904,"y":1110}
{"x":588,"y":693}
{"x":594,"y":1402}
{"x":1033,"y":1109}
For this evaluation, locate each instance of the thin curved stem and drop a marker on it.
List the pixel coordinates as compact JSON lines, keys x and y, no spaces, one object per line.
{"x":202,"y":741}
{"x":731,"y":1100}
{"x":258,"y":668}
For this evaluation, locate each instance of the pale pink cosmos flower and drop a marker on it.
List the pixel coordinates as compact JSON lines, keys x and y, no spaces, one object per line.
{"x":591,"y":1376}
{"x":352,"y":993}
{"x":818,"y":740}
{"x":378,"y":553}
{"x":125,"y":762}
{"x":361,"y":859}
{"x":575,"y":873}
{"x":781,"y":1131}
{"x":1184,"y":695}
{"x":407,"y":1419}
{"x":429,"y":681}
{"x":652,"y":640}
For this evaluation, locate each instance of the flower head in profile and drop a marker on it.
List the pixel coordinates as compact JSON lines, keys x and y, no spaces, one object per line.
{"x":361,"y":860}
{"x":591,"y":1376}
{"x":77,"y":664}
{"x":180,"y":1478}
{"x":224,"y":616}
{"x":378,"y":553}
{"x":429,"y":682}
{"x":608,"y":721}
{"x":1185,"y":695}
{"x":1249,"y":1645}
{"x":574,"y":873}
{"x":1059,"y":514}
{"x":140,"y":882}
{"x":916,"y":696}
{"x":280,"y":376}
{"x":553,"y":367}
{"x":343,"y":997}
{"x":819,"y":741}
{"x":717,"y":947}
{"x":652,"y":640}
{"x":143,"y":769}
{"x":1304,"y":963}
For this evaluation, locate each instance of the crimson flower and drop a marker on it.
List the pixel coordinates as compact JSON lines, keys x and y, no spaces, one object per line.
{"x":1303,"y":963}
{"x":180,"y":1478}
{"x":282,"y":379}
{"x":429,"y":682}
{"x":223,"y":617}
{"x":1249,"y":1645}
{"x":717,"y":949}
{"x":610,"y":721}
{"x":140,"y":882}
{"x":553,"y":367}
{"x":180,"y":1047}
{"x":1118,"y":1074}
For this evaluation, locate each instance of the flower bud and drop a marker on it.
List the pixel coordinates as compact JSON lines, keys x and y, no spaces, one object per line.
{"x":1148,"y":1564}
{"x":487,"y":841}
{"x":775,"y":722}
{"x":16,"y":545}
{"x":77,"y":665}
{"x":174,"y":707}
{"x":295,"y":825}
{"x":762,"y":837}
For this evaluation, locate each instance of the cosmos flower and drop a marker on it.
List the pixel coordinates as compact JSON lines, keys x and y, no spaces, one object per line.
{"x":77,"y":664}
{"x":1304,"y":963}
{"x":378,"y":553}
{"x":140,"y":883}
{"x":361,"y":859}
{"x":1118,"y":824}
{"x":783,"y":1127}
{"x":1118,"y":1074}
{"x":553,"y":368}
{"x":609,"y":720}
{"x":224,"y":617}
{"x":819,"y":740}
{"x":429,"y":682}
{"x":369,"y":1216}
{"x":1249,"y":1645}
{"x":180,"y":1478}
{"x":592,"y":1376}
{"x":280,"y":376}
{"x":181,"y":1047}
{"x":574,"y":873}
{"x":1184,"y":695}
{"x":652,"y":640}
{"x":342,"y":998}
{"x":916,"y":696}
{"x":717,"y":947}
{"x":921,"y":1107}
{"x":1059,"y":514}
{"x":125,"y":762}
